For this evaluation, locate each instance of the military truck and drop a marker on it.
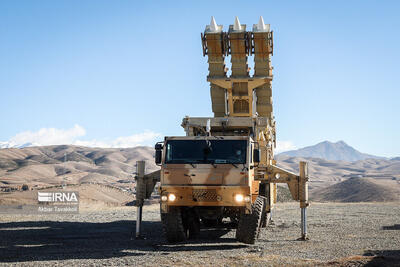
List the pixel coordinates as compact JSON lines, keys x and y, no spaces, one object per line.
{"x":224,"y":168}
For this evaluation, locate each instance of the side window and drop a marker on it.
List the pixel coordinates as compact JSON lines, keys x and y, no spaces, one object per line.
{"x":169,"y":152}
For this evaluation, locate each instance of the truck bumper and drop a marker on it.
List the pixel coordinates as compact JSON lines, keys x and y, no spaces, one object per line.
{"x":191,"y":196}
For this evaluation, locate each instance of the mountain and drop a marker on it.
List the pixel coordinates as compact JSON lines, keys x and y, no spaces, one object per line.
{"x":360,"y":190}
{"x":330,"y":151}
{"x":324,"y":173}
{"x":43,"y":166}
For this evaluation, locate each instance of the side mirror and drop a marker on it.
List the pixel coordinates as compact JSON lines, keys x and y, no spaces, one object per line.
{"x":256,"y":155}
{"x":158,"y":147}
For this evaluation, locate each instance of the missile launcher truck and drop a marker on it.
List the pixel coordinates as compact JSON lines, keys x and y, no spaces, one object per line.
{"x":224,"y":168}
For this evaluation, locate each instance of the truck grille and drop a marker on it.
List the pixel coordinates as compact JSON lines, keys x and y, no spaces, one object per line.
{"x":204,"y":195}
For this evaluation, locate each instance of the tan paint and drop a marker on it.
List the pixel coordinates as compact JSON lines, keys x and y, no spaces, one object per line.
{"x":184,"y":195}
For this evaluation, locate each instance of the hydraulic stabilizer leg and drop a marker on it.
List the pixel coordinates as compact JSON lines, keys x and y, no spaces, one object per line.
{"x":303,"y":224}
{"x":303,"y":194}
{"x":140,"y":196}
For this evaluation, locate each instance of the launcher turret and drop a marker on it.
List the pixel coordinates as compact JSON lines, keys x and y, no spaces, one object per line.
{"x":240,"y":94}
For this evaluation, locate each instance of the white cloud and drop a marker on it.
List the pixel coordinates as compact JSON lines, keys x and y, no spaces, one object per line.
{"x":47,"y":136}
{"x":282,"y":146}
{"x":53,"y":136}
{"x":72,"y":136}
{"x":145,"y":138}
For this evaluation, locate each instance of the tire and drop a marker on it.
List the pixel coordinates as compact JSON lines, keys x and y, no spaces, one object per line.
{"x":265,"y":219}
{"x":249,"y":224}
{"x":266,"y":216}
{"x":193,"y":224}
{"x":173,"y":226}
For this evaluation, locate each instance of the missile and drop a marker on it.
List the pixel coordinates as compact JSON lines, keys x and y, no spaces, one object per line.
{"x":236,"y":25}
{"x":261,"y":26}
{"x":213,"y":25}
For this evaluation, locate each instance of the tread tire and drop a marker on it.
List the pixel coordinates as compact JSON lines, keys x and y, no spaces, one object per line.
{"x":249,"y":224}
{"x":173,"y":227}
{"x":266,"y":216}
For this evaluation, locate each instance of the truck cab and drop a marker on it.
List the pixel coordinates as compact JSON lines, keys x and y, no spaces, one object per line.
{"x":209,"y":175}
{"x":212,"y":171}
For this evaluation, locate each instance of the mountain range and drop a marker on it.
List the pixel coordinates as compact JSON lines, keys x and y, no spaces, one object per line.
{"x":330,"y":151}
{"x":370,"y":178}
{"x":51,"y":165}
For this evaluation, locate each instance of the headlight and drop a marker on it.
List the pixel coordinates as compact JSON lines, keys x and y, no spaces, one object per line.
{"x":239,"y":198}
{"x":247,"y":199}
{"x":171,"y":197}
{"x":164,"y":198}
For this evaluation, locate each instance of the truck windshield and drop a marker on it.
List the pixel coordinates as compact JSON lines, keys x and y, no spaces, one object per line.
{"x":206,"y":151}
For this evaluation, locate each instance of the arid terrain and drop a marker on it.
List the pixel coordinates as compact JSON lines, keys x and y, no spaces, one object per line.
{"x":363,"y":180}
{"x":90,"y":170}
{"x":102,"y":176}
{"x":341,"y":234}
{"x":51,"y":165}
{"x":352,"y":234}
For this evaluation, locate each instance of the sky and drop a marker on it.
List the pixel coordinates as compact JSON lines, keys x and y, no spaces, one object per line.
{"x":125,"y":73}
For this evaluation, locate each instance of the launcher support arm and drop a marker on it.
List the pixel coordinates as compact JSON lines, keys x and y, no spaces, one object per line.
{"x":298,"y":186}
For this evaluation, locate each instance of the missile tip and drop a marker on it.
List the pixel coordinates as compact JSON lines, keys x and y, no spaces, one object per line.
{"x":236,"y":25}
{"x":261,"y":24}
{"x":213,"y":25}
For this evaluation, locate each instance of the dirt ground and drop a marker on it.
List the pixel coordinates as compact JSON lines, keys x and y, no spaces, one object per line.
{"x":340,"y":235}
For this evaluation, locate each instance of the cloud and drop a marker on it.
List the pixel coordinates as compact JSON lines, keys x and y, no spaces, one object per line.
{"x":47,"y":136}
{"x":72,"y":136}
{"x":282,"y":146}
{"x":145,"y":138}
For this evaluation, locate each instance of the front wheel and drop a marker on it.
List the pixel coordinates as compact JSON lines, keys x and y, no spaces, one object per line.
{"x":250,"y":224}
{"x":173,"y":226}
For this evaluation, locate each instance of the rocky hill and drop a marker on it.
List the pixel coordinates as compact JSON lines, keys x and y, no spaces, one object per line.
{"x":329,"y":151}
{"x":65,"y":164}
{"x":360,"y":190}
{"x":324,"y":173}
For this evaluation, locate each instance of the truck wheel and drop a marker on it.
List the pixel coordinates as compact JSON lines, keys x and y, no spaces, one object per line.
{"x":265,"y":220}
{"x":173,"y":227}
{"x":249,"y":224}
{"x":193,"y":224}
{"x":266,"y":216}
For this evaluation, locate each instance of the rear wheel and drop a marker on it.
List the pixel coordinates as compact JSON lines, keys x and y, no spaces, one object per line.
{"x":266,"y":216}
{"x":173,"y":225}
{"x":250,"y":224}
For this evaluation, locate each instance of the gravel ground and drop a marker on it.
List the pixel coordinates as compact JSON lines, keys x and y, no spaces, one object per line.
{"x":340,"y":235}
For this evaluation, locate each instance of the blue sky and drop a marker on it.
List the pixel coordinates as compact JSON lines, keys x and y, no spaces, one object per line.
{"x":117,"y":70}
